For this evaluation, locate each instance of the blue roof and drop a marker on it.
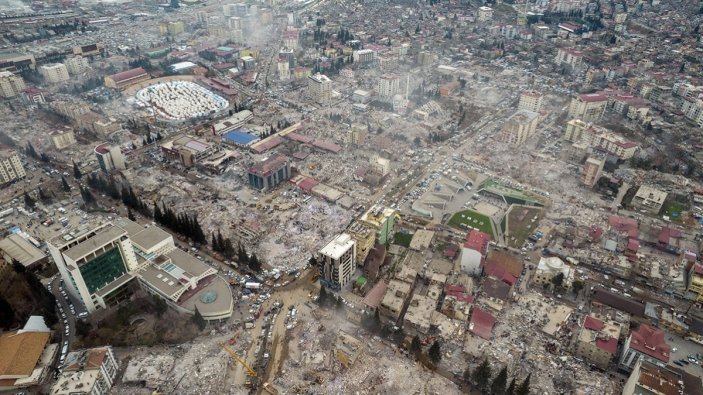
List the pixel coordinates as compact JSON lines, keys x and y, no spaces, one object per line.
{"x":240,"y":137}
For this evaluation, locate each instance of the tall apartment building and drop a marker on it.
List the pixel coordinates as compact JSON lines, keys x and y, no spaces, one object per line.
{"x":63,"y":138}
{"x":530,"y":101}
{"x":109,"y":157}
{"x":364,"y":236}
{"x":54,"y":73}
{"x":320,"y":88}
{"x":519,"y":127}
{"x":645,"y":343}
{"x":269,"y":173}
{"x":283,"y":70}
{"x":77,"y":65}
{"x":382,"y":220}
{"x":598,"y":341}
{"x":10,"y":84}
{"x":364,"y":56}
{"x":171,"y":28}
{"x":337,"y":261}
{"x":589,"y":107}
{"x":592,"y":171}
{"x":387,"y":86}
{"x":485,"y":14}
{"x":11,"y":168}
{"x":600,"y":138}
{"x":90,"y":371}
{"x":569,"y":56}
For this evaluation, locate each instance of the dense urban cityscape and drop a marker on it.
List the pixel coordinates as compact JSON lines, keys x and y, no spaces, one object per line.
{"x":351,"y":197}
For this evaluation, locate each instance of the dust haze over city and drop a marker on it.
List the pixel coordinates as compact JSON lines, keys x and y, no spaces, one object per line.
{"x":351,"y":197}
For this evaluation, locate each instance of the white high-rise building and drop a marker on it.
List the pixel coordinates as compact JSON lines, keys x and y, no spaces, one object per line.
{"x":530,"y":101}
{"x":10,"y":84}
{"x":519,"y":127}
{"x":109,"y":157}
{"x":337,"y":261}
{"x":11,"y":168}
{"x":387,"y":87}
{"x":320,"y":88}
{"x":54,"y":73}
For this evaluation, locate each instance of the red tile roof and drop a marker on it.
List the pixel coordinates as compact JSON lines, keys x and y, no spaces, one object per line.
{"x":667,"y":234}
{"x":593,"y":97}
{"x":477,"y":241}
{"x":128,"y":75}
{"x":327,"y":146}
{"x":609,"y":344}
{"x":651,"y":341}
{"x":593,"y":324}
{"x":622,"y":224}
{"x":633,"y":244}
{"x":493,"y":269}
{"x":307,"y":184}
{"x":481,"y":323}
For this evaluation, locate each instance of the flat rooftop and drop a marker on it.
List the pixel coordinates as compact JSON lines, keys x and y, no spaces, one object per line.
{"x":21,"y":250}
{"x":337,"y":247}
{"x":102,"y":238}
{"x":150,"y":237}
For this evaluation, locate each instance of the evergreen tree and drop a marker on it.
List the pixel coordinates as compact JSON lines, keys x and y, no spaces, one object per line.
{"x":198,"y":320}
{"x":415,"y":346}
{"x":524,"y":387}
{"x":339,"y":305}
{"x":76,"y":171}
{"x":254,"y":263}
{"x":511,"y":388}
{"x":64,"y":183}
{"x":482,"y":374}
{"x":29,"y":202}
{"x":322,"y":297}
{"x":499,"y":382}
{"x":467,"y":374}
{"x":7,"y":314}
{"x":31,"y":151}
{"x":130,"y":215}
{"x":221,"y":241}
{"x":435,"y":353}
{"x":214,"y":244}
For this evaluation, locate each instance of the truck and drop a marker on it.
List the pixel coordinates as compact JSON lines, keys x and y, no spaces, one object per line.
{"x":252,"y":285}
{"x":248,"y":325}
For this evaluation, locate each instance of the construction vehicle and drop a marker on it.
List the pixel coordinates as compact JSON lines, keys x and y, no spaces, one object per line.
{"x":234,"y":356}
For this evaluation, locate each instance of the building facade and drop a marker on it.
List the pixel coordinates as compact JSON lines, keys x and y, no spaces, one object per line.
{"x":126,"y":78}
{"x":598,"y":341}
{"x":63,"y":138}
{"x":11,"y":168}
{"x":337,"y":261}
{"x":649,"y":199}
{"x":519,"y":127}
{"x":90,"y":372}
{"x":320,"y":88}
{"x":269,"y":173}
{"x":387,"y":87}
{"x":382,"y":219}
{"x":54,"y":73}
{"x":646,"y":343}
{"x":530,"y":101}
{"x":589,"y":107}
{"x":109,"y":157}
{"x":77,"y":65}
{"x":592,"y":170}
{"x":10,"y":84}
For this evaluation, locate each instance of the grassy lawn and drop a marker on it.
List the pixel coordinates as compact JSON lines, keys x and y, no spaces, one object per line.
{"x":402,"y":239}
{"x":472,"y":219}
{"x":673,"y":207}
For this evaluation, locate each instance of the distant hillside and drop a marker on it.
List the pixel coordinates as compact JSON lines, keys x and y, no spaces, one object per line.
{"x":24,"y":295}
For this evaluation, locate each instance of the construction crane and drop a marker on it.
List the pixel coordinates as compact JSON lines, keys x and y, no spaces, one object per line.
{"x":248,"y":368}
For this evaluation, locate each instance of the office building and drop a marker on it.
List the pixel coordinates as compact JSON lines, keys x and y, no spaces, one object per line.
{"x":382,"y":220}
{"x":337,"y":261}
{"x":387,"y":87}
{"x":109,"y":157}
{"x":654,"y":379}
{"x":26,"y":356}
{"x":530,"y":101}
{"x":646,"y":343}
{"x":485,"y":14}
{"x":11,"y":168}
{"x":320,"y":88}
{"x":269,"y":173}
{"x":54,"y":73}
{"x":592,"y":170}
{"x":519,"y":127}
{"x":649,"y":199}
{"x":589,"y":107}
{"x":10,"y":84}
{"x":77,"y":65}
{"x":89,"y":372}
{"x":598,"y":340}
{"x":126,"y":78}
{"x":63,"y":138}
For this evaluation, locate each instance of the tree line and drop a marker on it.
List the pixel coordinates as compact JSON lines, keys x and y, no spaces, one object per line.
{"x":182,"y":223}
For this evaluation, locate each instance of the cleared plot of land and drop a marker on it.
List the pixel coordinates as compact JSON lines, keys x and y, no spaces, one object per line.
{"x":520,"y":223}
{"x":467,"y":219}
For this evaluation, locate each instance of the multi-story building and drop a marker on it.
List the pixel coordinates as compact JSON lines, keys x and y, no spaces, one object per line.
{"x":337,"y":261}
{"x":269,"y":173}
{"x":109,"y":157}
{"x":77,"y":65}
{"x":569,"y":56}
{"x":364,"y":236}
{"x":649,"y":199}
{"x":693,"y":110}
{"x":589,"y":107}
{"x":191,"y":151}
{"x":320,"y":88}
{"x":598,"y":340}
{"x":283,"y":70}
{"x":290,"y":38}
{"x":600,"y":138}
{"x":234,"y":122}
{"x":485,"y":14}
{"x":530,"y":101}
{"x":171,"y":28}
{"x":387,"y":86}
{"x":646,"y":343}
{"x":63,"y":138}
{"x":11,"y":168}
{"x":364,"y":56}
{"x":695,"y":281}
{"x":89,"y":372}
{"x":10,"y":84}
{"x":382,"y":219}
{"x":655,"y":379}
{"x":126,"y":78}
{"x":519,"y":127}
{"x":54,"y":73}
{"x":27,"y":356}
{"x":592,"y":170}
